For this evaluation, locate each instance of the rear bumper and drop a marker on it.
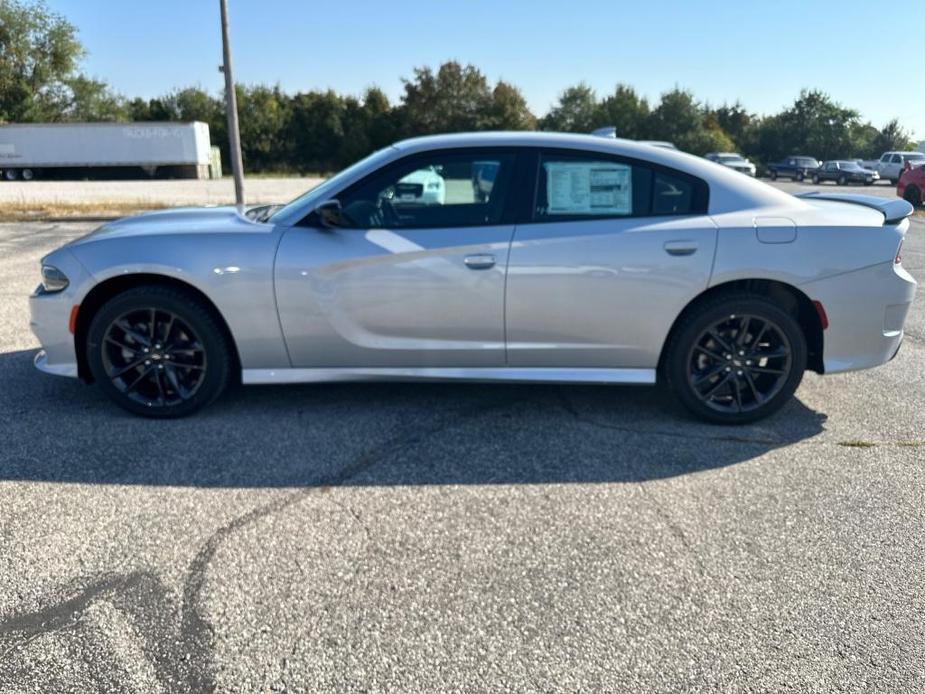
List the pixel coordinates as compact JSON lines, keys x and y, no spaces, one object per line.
{"x":867,"y":311}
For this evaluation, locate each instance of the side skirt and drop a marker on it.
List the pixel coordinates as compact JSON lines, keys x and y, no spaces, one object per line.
{"x":523,"y":375}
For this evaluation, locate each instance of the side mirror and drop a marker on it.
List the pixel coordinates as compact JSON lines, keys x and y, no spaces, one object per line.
{"x":330,"y":214}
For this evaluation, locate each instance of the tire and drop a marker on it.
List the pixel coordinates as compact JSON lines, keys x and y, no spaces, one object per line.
{"x":799,"y":176}
{"x":10,"y":174}
{"x":773,"y":175}
{"x":842,"y":181}
{"x":183,"y":371}
{"x":816,"y":179}
{"x":733,"y":388}
{"x":27,"y":174}
{"x":913,"y":195}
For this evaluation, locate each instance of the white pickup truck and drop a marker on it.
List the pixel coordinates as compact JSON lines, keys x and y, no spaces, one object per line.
{"x":891,"y":164}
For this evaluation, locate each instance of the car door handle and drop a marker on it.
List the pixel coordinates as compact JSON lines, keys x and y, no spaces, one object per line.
{"x":479,"y":262}
{"x":680,"y":247}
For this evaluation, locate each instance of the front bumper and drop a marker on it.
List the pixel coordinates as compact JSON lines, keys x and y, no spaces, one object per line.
{"x":50,"y":317}
{"x":867,"y":311}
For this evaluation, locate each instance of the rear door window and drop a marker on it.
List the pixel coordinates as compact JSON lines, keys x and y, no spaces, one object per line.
{"x":575,"y":185}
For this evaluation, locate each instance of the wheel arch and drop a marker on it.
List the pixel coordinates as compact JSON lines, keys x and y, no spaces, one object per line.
{"x":789,"y":297}
{"x":107,"y":289}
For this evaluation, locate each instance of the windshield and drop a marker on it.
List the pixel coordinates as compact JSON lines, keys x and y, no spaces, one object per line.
{"x":853,"y":165}
{"x":335,"y":181}
{"x":730,"y":157}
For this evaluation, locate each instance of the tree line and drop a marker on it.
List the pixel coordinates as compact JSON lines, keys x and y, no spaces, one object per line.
{"x":322,"y":131}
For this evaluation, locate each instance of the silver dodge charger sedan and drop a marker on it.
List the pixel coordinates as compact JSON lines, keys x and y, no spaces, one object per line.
{"x":583,"y":260}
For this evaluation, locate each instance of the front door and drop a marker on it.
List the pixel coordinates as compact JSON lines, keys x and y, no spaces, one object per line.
{"x":414,"y":277}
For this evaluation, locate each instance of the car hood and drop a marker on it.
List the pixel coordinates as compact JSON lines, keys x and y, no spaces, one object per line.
{"x":183,"y":220}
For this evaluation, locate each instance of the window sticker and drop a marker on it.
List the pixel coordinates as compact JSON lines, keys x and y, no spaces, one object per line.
{"x":594,"y":188}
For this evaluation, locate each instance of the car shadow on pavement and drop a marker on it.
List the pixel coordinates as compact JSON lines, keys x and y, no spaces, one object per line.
{"x":59,"y":430}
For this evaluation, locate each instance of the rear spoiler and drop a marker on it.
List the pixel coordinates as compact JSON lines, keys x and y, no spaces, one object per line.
{"x":893,"y":210}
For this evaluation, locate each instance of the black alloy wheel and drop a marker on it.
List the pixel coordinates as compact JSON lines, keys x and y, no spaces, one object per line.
{"x":739,"y":363}
{"x":153,"y":357}
{"x":159,"y":352}
{"x":736,"y":359}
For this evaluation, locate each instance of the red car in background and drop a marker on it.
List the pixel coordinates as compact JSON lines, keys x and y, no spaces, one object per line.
{"x":911,"y":186}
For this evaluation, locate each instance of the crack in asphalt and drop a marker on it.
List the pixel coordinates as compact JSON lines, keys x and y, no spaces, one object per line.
{"x":186,"y":663}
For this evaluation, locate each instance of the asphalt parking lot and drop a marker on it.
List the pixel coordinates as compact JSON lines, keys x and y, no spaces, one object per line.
{"x":458,"y":538}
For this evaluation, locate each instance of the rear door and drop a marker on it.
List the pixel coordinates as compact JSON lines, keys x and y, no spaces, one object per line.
{"x":611,"y":252}
{"x":415,"y":276}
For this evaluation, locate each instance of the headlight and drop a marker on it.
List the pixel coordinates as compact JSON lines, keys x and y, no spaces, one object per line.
{"x":53,"y":280}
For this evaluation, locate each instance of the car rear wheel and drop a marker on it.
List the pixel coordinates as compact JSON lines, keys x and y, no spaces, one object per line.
{"x":159,"y":352}
{"x":799,"y":176}
{"x":10,"y":174}
{"x":913,"y":195}
{"x":816,"y":179}
{"x":735,"y":359}
{"x":842,"y":181}
{"x":773,"y":175}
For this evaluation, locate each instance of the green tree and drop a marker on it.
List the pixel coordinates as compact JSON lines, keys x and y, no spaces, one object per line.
{"x":508,"y":110}
{"x":39,"y":76}
{"x":680,"y":119}
{"x":456,"y":98}
{"x":92,"y":101}
{"x":264,"y":114}
{"x":315,"y":131}
{"x":733,"y":120}
{"x":816,"y":125}
{"x":626,"y":111}
{"x":577,"y":111}
{"x":891,"y":136}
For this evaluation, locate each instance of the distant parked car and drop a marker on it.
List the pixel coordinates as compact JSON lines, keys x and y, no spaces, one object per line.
{"x":844,"y":172}
{"x":911,"y":185}
{"x":734,"y":161}
{"x":795,"y":166}
{"x":422,"y":187}
{"x":892,"y":163}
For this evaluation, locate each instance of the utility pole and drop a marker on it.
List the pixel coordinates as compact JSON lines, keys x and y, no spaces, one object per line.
{"x":231,"y":107}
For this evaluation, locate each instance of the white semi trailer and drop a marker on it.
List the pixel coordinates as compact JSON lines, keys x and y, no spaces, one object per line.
{"x":173,"y":149}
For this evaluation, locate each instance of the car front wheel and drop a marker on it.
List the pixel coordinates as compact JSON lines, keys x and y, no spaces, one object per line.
{"x":816,"y":179}
{"x":735,"y":359}
{"x":159,"y":352}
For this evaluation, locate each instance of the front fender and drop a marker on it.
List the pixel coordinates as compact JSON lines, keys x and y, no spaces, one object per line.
{"x":234,"y":271}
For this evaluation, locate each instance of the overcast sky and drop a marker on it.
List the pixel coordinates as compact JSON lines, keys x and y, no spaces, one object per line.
{"x":759,"y":53}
